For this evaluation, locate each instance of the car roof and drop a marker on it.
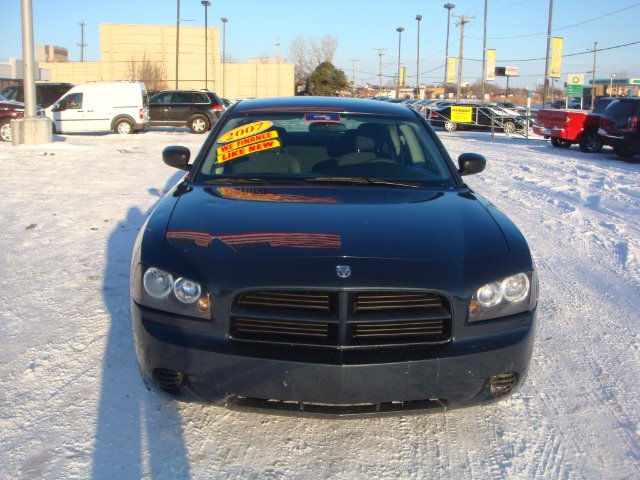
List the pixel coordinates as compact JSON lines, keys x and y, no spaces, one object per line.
{"x":328,"y":104}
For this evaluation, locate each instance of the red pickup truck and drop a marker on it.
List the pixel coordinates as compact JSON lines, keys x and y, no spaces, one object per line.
{"x":566,"y":127}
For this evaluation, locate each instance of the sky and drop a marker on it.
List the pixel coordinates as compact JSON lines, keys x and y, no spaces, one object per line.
{"x":517,"y":29}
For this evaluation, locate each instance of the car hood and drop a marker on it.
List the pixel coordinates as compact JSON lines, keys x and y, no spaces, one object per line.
{"x":354,"y":222}
{"x":11,"y":104}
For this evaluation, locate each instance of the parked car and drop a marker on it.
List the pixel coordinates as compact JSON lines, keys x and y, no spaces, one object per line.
{"x":620,"y":128}
{"x":46,"y":93}
{"x":325,"y":255}
{"x":520,"y":109}
{"x":196,"y":109}
{"x":568,"y":127}
{"x":11,"y":110}
{"x":475,"y":115}
{"x":101,"y":106}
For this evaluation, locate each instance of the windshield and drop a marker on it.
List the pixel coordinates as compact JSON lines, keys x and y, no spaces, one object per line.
{"x":324,"y":147}
{"x":3,"y":99}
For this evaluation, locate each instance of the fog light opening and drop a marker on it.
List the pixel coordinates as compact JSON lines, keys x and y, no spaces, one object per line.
{"x":502,"y":384}
{"x":168,"y":380}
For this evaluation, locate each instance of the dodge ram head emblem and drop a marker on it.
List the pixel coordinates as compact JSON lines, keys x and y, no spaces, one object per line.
{"x":343,"y":271}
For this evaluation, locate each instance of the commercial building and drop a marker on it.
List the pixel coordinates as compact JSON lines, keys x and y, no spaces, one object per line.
{"x":139,"y":51}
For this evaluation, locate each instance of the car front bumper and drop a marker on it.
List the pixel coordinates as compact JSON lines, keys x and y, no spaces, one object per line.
{"x":214,"y":369}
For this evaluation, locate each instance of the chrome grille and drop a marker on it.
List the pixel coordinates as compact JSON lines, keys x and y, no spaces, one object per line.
{"x":341,"y":319}
{"x":286,"y":299}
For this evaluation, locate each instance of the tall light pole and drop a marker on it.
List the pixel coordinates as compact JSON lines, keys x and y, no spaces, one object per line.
{"x":380,"y":54}
{"x":546,"y":63}
{"x":399,"y":30}
{"x":177,"y":41}
{"x":82,"y":44}
{"x":418,"y":18}
{"x":611,"y":77}
{"x":448,"y":6}
{"x":484,"y":53}
{"x":593,"y":76}
{"x":224,"y":21}
{"x":206,"y":4}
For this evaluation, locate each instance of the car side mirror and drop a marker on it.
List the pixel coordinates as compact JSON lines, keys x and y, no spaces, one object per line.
{"x":470,"y":163}
{"x":177,"y":157}
{"x":57,"y":108}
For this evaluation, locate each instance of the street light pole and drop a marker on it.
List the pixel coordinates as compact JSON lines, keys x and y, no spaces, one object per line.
{"x":177,"y":40}
{"x":224,"y":21}
{"x":448,"y":6}
{"x":611,"y":77}
{"x":206,"y":4}
{"x":593,"y":76}
{"x":418,"y":18}
{"x":399,"y":30}
{"x":484,"y":53}
{"x":546,"y":63}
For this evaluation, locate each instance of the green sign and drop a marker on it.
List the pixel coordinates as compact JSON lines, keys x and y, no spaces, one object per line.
{"x":574,"y":90}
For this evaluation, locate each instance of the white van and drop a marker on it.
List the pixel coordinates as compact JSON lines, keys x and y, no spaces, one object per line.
{"x":101,"y":106}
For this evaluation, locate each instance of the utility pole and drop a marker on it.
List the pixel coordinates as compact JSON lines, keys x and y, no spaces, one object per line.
{"x":419,"y":19}
{"x":82,"y":44}
{"x":484,"y":53}
{"x":380,"y":54}
{"x":177,"y":41}
{"x":463,"y":21}
{"x":546,"y":63}
{"x":593,"y":76}
{"x":353,"y":77}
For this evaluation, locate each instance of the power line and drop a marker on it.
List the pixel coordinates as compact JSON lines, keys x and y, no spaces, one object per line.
{"x":562,"y":28}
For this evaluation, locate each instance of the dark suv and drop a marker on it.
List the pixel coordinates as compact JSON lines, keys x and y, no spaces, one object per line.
{"x":46,"y":93}
{"x":196,"y":109}
{"x":619,"y":126}
{"x":11,"y":110}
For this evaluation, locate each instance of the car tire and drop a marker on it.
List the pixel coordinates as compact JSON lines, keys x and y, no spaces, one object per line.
{"x":590,"y":143}
{"x":450,"y":126}
{"x":560,"y":142}
{"x":623,"y":152}
{"x":199,"y":124}
{"x":123,"y":127}
{"x":508,"y":127}
{"x":5,"y":130}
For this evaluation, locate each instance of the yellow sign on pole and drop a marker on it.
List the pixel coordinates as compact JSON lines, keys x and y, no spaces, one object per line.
{"x":462,"y":114}
{"x":556,"y":56}
{"x":451,"y":70}
{"x":491,"y":64}
{"x":403,"y":75}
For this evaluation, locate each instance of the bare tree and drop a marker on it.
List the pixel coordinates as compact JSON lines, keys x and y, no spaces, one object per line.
{"x":307,"y":55}
{"x":153,"y":74}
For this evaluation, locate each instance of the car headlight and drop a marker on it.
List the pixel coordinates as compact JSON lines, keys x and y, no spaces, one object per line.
{"x":156,"y":288}
{"x":514,"y":294}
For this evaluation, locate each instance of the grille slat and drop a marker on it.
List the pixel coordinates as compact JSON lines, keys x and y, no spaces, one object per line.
{"x":303,"y":300}
{"x":341,"y":319}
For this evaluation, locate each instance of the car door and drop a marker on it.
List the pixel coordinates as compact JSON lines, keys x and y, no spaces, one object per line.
{"x":182,"y":107}
{"x":160,"y":108}
{"x":68,"y":113}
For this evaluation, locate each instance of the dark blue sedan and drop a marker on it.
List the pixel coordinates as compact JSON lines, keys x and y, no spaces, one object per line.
{"x":323,"y":255}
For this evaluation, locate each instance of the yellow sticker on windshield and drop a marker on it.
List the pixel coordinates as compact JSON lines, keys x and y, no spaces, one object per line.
{"x":244,"y":131}
{"x":261,"y":137}
{"x":242,"y":151}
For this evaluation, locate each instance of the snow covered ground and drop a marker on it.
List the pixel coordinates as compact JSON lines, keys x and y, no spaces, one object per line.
{"x":72,"y":404}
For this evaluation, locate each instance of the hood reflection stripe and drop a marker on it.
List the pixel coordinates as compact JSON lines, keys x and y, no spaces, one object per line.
{"x":260,"y":239}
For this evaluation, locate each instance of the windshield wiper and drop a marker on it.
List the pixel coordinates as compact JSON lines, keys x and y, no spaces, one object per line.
{"x":362,"y":181}
{"x":224,"y":179}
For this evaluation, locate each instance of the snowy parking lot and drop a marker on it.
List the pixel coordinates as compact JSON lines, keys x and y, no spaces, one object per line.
{"x":72,"y":404}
